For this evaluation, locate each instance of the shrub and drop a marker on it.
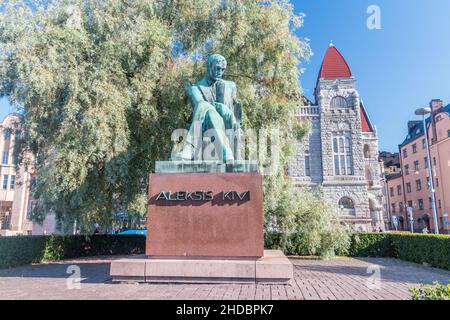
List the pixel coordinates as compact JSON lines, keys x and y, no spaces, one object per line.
{"x":19,"y":250}
{"x":435,"y":292}
{"x":420,"y":248}
{"x":371,"y":245}
{"x":309,"y":228}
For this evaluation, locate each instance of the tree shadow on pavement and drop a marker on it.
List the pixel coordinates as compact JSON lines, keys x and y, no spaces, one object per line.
{"x":90,"y":272}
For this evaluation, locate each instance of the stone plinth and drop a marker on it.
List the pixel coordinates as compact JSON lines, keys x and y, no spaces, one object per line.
{"x":205,"y":215}
{"x":205,"y":228}
{"x":273,"y":267}
{"x":202,"y":166}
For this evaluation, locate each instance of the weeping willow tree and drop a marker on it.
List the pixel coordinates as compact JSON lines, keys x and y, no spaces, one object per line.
{"x":101,"y":87}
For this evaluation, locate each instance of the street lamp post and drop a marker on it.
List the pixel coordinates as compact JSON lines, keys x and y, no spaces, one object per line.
{"x":446,"y":221}
{"x":423,"y":112}
{"x":410,"y":218}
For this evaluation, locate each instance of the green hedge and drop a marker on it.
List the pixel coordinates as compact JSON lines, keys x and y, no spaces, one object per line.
{"x":419,"y":248}
{"x":19,"y":250}
{"x":371,"y":245}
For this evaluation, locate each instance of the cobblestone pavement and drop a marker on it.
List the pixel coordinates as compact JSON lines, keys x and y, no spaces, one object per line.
{"x":342,"y":278}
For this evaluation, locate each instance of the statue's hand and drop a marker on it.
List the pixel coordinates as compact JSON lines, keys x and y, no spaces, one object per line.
{"x":226,"y":114}
{"x":223,"y":110}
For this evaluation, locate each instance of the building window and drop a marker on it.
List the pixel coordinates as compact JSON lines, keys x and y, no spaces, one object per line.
{"x":440,"y":205}
{"x":399,"y":190}
{"x":366,"y":151}
{"x":30,"y":209}
{"x":428,"y":183}
{"x":392,"y":191}
{"x":393,"y":208}
{"x":338,"y":102}
{"x":418,"y":185}
{"x":410,"y":204}
{"x":346,"y":206}
{"x":430,"y":203}
{"x":426,"y":162}
{"x":346,"y":203}
{"x":5,"y":157}
{"x":434,"y":161}
{"x":400,"y":206}
{"x":342,"y":151}
{"x":416,"y":166}
{"x":406,"y":169}
{"x":13,"y":181}
{"x":408,"y":187}
{"x":424,"y":144}
{"x":448,"y":133}
{"x":420,"y":204}
{"x":5,"y":181}
{"x":307,"y":167}
{"x":437,"y":182}
{"x":8,"y":134}
{"x":414,"y":148}
{"x":405,"y":153}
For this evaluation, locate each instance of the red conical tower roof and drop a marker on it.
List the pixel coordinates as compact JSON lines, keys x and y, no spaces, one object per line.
{"x":334,"y":65}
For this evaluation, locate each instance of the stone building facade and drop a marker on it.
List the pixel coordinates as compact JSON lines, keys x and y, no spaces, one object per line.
{"x":341,"y":153}
{"x":16,"y":202}
{"x":15,"y":183}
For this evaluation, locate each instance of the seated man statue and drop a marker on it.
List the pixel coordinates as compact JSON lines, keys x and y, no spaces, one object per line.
{"x":213,"y":101}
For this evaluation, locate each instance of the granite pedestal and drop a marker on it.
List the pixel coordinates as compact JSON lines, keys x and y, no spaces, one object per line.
{"x":273,"y":267}
{"x":205,"y":227}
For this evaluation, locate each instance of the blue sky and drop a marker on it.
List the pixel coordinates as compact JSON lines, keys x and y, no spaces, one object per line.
{"x":398,"y":68}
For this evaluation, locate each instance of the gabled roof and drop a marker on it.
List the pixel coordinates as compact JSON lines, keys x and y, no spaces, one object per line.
{"x":334,"y":65}
{"x":415,"y":131}
{"x":366,"y":125}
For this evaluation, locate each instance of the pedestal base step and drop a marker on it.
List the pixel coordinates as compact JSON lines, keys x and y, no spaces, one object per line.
{"x":274,"y":267}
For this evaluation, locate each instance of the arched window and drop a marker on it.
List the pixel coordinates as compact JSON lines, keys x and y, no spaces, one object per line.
{"x":338,"y":102}
{"x":346,"y":206}
{"x":346,"y":203}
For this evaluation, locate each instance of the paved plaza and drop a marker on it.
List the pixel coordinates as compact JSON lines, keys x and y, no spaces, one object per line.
{"x":342,"y":278}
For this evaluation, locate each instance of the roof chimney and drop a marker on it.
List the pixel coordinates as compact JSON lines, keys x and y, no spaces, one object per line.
{"x":436,"y":104}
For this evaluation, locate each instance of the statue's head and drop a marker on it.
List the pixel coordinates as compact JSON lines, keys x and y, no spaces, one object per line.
{"x":216,"y":66}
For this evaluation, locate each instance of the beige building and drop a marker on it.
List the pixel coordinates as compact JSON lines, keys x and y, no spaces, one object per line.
{"x":15,"y":184}
{"x":16,"y":203}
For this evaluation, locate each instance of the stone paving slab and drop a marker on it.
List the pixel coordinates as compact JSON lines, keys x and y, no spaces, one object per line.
{"x":338,"y":279}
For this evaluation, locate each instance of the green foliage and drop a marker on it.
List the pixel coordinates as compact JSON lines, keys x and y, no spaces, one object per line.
{"x":419,"y":248}
{"x":307,"y":226}
{"x":15,"y":251}
{"x":436,"y":292}
{"x":371,"y":245}
{"x":101,"y":84}
{"x":429,"y":248}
